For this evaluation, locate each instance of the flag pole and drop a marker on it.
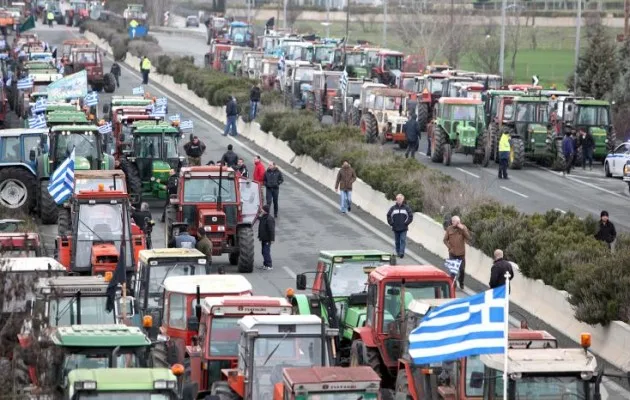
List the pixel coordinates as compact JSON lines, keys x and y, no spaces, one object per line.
{"x":506,"y":318}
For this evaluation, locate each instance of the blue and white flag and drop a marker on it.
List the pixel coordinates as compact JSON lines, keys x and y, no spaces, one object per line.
{"x":91,"y":99}
{"x":281,"y":63}
{"x":37,"y":122}
{"x":105,"y":128}
{"x":344,"y":81}
{"x":453,"y":265}
{"x":186,"y":125}
{"x":61,"y":183}
{"x":174,"y":118}
{"x":25,"y":83}
{"x":464,"y":327}
{"x":138,"y":91}
{"x":162,"y":101}
{"x":158,"y":111}
{"x":40,"y":106}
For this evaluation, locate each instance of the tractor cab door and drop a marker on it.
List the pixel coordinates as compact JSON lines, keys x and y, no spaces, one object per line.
{"x":251,"y":200}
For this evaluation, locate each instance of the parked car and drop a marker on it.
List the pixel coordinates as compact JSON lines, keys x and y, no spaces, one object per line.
{"x":192,"y":20}
{"x":616,"y":160}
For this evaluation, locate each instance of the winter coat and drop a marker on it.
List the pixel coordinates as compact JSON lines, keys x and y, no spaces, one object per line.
{"x":194,"y":150}
{"x":231,"y":110}
{"x":399,"y":217}
{"x":273,"y":178}
{"x":412,"y":130}
{"x":259,"y":171}
{"x":497,"y":273}
{"x":345,"y":178}
{"x":205,"y":246}
{"x":267,"y":228}
{"x":115,"y":70}
{"x":587,"y":142}
{"x":171,"y":184}
{"x":455,"y":240}
{"x":230,"y":159}
{"x":139,"y":219}
{"x":568,"y":145}
{"x":607,"y":232}
{"x":254,"y":95}
{"x":185,"y":240}
{"x":243,"y":171}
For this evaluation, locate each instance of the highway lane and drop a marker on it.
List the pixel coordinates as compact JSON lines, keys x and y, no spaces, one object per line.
{"x":309,"y":219}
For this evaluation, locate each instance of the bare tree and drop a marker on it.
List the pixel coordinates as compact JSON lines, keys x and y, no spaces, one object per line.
{"x":514,"y":36}
{"x":485,"y":49}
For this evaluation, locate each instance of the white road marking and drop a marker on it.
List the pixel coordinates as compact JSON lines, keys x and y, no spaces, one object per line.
{"x":514,"y":192}
{"x":289,"y":272}
{"x":468,"y":173}
{"x":593,"y":186}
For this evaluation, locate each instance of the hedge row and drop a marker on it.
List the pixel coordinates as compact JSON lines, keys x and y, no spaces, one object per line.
{"x":557,"y":248}
{"x":120,"y":43}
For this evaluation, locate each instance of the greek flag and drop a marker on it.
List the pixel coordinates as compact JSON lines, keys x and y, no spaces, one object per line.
{"x":453,"y":266}
{"x":162,"y":101}
{"x":174,"y":118}
{"x":40,"y":105}
{"x":25,"y":83}
{"x":138,"y":91}
{"x":344,"y":81}
{"x":37,"y":122}
{"x":105,"y":128}
{"x":186,"y":125}
{"x":281,"y":63}
{"x":91,"y":99}
{"x":62,"y":181}
{"x":4,"y":56}
{"x":158,"y":111}
{"x":464,"y":327}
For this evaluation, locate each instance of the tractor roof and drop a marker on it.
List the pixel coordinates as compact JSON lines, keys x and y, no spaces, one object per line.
{"x":139,"y":118}
{"x":208,"y":284}
{"x":529,"y":339}
{"x":75,"y":128}
{"x":554,"y":361}
{"x":322,"y":379}
{"x":390,"y":92}
{"x":21,"y":131}
{"x":156,"y":128}
{"x":88,"y":180}
{"x":460,"y":101}
{"x":121,"y":379}
{"x":469,"y":85}
{"x":61,"y":107}
{"x":169,"y":253}
{"x":524,"y":87}
{"x":409,"y":272}
{"x":246,"y":305}
{"x":355,"y":254}
{"x":24,"y":264}
{"x":389,"y":52}
{"x":68,"y":286}
{"x":67,"y":117}
{"x":135,"y":101}
{"x":600,"y":103}
{"x":100,"y":336}
{"x":532,"y":99}
{"x":500,"y":92}
{"x":271,"y":324}
{"x":206,"y":171}
{"x":33,"y":65}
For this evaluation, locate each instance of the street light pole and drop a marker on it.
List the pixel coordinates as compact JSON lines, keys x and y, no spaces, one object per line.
{"x":284,"y":17}
{"x":327,"y":18}
{"x":385,"y":23}
{"x":578,"y":25}
{"x":502,"y":51}
{"x":249,"y":4}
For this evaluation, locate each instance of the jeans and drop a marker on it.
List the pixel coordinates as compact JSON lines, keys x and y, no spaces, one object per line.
{"x":230,"y":125}
{"x":568,"y":162}
{"x":272,"y":196}
{"x":345,"y":199}
{"x":428,"y":146}
{"x":253,"y":110}
{"x":504,"y":159}
{"x":117,"y":80}
{"x":145,"y":76}
{"x":400,"y":241}
{"x":588,"y":156}
{"x":266,"y":253}
{"x":462,"y":268}
{"x":194,"y":161}
{"x":412,"y":147}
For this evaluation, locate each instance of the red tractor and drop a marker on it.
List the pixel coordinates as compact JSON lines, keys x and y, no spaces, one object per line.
{"x":429,"y":91}
{"x":15,"y":241}
{"x":391,"y":290}
{"x":387,"y":66}
{"x":323,"y":91}
{"x":223,"y":204}
{"x":100,"y":221}
{"x":90,"y":59}
{"x":216,"y":57}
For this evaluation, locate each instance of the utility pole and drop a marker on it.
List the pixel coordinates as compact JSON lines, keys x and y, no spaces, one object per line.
{"x":384,"y":23}
{"x":626,"y":15}
{"x":502,"y":52}
{"x":578,"y":24}
{"x":347,"y":24}
{"x":249,"y":13}
{"x":327,"y":18}
{"x":284,"y":17}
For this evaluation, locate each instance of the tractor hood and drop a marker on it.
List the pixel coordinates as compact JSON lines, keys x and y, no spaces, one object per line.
{"x":537,"y":128}
{"x":467,"y":134}
{"x":161,"y":170}
{"x":597,"y":131}
{"x":104,"y":258}
{"x":81,"y":163}
{"x":359,"y":72}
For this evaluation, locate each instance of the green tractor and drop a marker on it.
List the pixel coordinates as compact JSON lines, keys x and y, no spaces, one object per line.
{"x":88,"y":145}
{"x":66,"y":118}
{"x":129,"y":104}
{"x":458,"y":125}
{"x":338,"y":292}
{"x":492,"y":98}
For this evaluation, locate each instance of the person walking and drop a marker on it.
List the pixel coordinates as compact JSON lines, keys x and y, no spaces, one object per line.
{"x":204,"y":245}
{"x":266,"y":235}
{"x":399,"y":217}
{"x":607,"y":232}
{"x":254,"y":99}
{"x":568,"y":150}
{"x":588,"y":145}
{"x":145,"y":68}
{"x":505,"y":146}
{"x":231,"y":112}
{"x":455,"y":238}
{"x":259,"y":170}
{"x":345,"y":178}
{"x":194,"y":150}
{"x":242,"y":168}
{"x":272,"y":181}
{"x":51,"y":17}
{"x":142,"y":217}
{"x":230,"y":158}
{"x":183,"y":240}
{"x":498,"y":270}
{"x":411,"y":129}
{"x":115,"y":70}
{"x":171,"y":189}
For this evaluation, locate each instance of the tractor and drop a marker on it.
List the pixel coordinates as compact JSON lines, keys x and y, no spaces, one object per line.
{"x":338,"y":292}
{"x":77,"y":13}
{"x":125,"y":105}
{"x":268,"y":73}
{"x":328,"y":382}
{"x":100,"y":222}
{"x":323,"y":91}
{"x":297,"y":81}
{"x":449,"y":82}
{"x":351,"y":60}
{"x":216,"y":28}
{"x":154,"y":266}
{"x":251,"y":64}
{"x":68,"y":45}
{"x":468,"y":90}
{"x":218,"y":54}
{"x":408,"y":84}
{"x":181,"y":298}
{"x":458,"y":126}
{"x":303,"y":341}
{"x":343,"y":101}
{"x":362,"y":102}
{"x":323,"y":54}
{"x":429,"y":91}
{"x":386,"y":66}
{"x":223,"y":204}
{"x":391,"y":289}
{"x":241,"y":34}
{"x":217,"y":348}
{"x":384,"y":116}
{"x":492,"y":99}
{"x":90,"y":59}
{"x":234,"y":59}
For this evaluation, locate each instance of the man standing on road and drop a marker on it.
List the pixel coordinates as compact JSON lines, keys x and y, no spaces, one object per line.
{"x":266,"y":235}
{"x":504,"y":155}
{"x":204,"y":245}
{"x":231,"y":112}
{"x":345,"y":179}
{"x":568,"y":149}
{"x":141,"y":217}
{"x":607,"y":232}
{"x":259,"y":170}
{"x":145,"y":68}
{"x":272,"y":181}
{"x":411,"y":129}
{"x":399,"y":217}
{"x":499,"y":268}
{"x":588,"y":145}
{"x":194,"y":150}
{"x":254,"y":99}
{"x":230,"y":159}
{"x":171,"y":189}
{"x":455,"y":239}
{"x":115,"y":70}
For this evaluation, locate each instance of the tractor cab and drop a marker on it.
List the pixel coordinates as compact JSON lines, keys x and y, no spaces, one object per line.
{"x":125,"y":105}
{"x":241,"y":34}
{"x":270,"y":343}
{"x":73,"y":117}
{"x":86,"y":142}
{"x":323,"y":53}
{"x":592,"y":116}
{"x":298,"y":81}
{"x":469,"y":90}
{"x":218,"y":55}
{"x":529,"y":128}
{"x":491,"y":107}
{"x":251,"y":64}
{"x":154,"y":266}
{"x":323,"y":90}
{"x":122,"y":128}
{"x":298,"y":51}
{"x":408,"y":83}
{"x":68,"y":45}
{"x":269,"y":72}
{"x":328,"y":383}
{"x":344,"y":100}
{"x":351,"y":60}
{"x":384,"y":116}
{"x":235,"y":58}
{"x":449,"y":82}
{"x":490,"y":81}
{"x":386,"y":66}
{"x":428,"y":92}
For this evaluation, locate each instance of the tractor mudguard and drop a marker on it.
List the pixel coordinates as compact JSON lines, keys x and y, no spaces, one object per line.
{"x":366,"y":335}
{"x":43,"y":166}
{"x":301,"y":305}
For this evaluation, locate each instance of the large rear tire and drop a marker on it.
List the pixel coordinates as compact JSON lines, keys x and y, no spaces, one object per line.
{"x":447,"y":154}
{"x":439,"y":139}
{"x":361,"y":355}
{"x":245,"y":249}
{"x":517,"y":154}
{"x":134,"y":183}
{"x":110,"y":83}
{"x":423,"y":115}
{"x":64,"y":226}
{"x":369,"y":128}
{"x":486,"y":143}
{"x":48,"y":210}
{"x":355,"y":116}
{"x":17,"y":189}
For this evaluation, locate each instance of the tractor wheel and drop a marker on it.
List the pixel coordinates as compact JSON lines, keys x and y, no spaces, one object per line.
{"x":355,"y":116}
{"x":422,"y":111}
{"x":223,"y":390}
{"x":310,"y":102}
{"x":448,"y":154}
{"x":233,"y":257}
{"x":560,"y":162}
{"x":517,"y":153}
{"x":361,"y":355}
{"x":47,"y":207}
{"x":110,"y":83}
{"x":402,"y":384}
{"x":369,"y":128}
{"x":245,"y":249}
{"x":17,"y":189}
{"x":579,"y":157}
{"x":337,"y":112}
{"x":64,"y":226}
{"x":611,"y":138}
{"x":319,"y":109}
{"x":486,"y":144}
{"x":134,"y":183}
{"x":437,"y":144}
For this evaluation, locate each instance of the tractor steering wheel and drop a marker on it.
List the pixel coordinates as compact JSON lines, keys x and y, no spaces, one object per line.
{"x":208,"y":198}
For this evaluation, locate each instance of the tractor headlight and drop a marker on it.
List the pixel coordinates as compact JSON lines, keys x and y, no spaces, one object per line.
{"x":586,"y":375}
{"x":163,"y":384}
{"x":606,"y":141}
{"x":533,"y":140}
{"x":85,"y":385}
{"x":152,"y":178}
{"x":547,"y":141}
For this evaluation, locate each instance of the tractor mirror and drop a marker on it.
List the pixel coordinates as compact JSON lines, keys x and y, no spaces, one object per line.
{"x":476,"y":380}
{"x":31,"y":155}
{"x":300,"y":282}
{"x":193,"y":324}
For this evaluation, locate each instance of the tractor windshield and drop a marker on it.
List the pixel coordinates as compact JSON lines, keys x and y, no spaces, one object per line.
{"x":332,"y":82}
{"x":547,"y":387}
{"x":99,"y":359}
{"x":532,"y":112}
{"x":224,"y":332}
{"x":304,"y":74}
{"x":341,"y":396}
{"x":237,"y":54}
{"x":435,"y":86}
{"x":207,"y":190}
{"x":394,"y":293}
{"x":158,"y":273}
{"x":355,"y":59}
{"x":272,"y":354}
{"x":350,"y":277}
{"x":460,"y":112}
{"x":86,"y":57}
{"x":354,"y":88}
{"x":85,"y":146}
{"x":388,"y":103}
{"x":126,"y":395}
{"x":408,"y":84}
{"x":63,"y":311}
{"x":323,"y":54}
{"x":592,"y":116}
{"x":155,"y":146}
{"x":392,"y":62}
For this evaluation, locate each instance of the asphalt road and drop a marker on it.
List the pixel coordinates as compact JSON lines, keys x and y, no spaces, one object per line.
{"x":309,"y":219}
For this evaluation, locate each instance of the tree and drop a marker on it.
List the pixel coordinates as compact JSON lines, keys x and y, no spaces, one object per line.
{"x":597,"y":69}
{"x":485,"y":50}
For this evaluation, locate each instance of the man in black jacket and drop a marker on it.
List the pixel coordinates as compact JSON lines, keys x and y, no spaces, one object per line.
{"x":272,"y":181}
{"x":231,"y":112}
{"x":194,"y":150}
{"x":499,"y":268}
{"x":607,"y":232}
{"x":229,"y":158}
{"x":411,"y":129}
{"x":399,"y":217}
{"x":587,"y":142}
{"x":115,"y":70}
{"x":254,"y":99}
{"x":266,"y":235}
